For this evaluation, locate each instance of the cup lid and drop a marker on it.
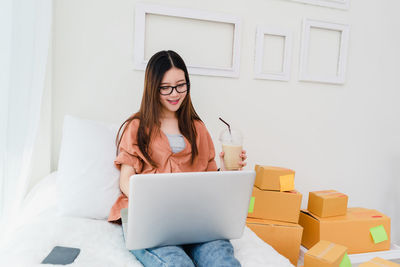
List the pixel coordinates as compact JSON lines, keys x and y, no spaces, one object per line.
{"x":234,"y":137}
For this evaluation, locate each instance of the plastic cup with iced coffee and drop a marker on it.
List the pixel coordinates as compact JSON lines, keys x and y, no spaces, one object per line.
{"x":232,"y":141}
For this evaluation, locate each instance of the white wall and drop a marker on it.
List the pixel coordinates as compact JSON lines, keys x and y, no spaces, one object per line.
{"x":344,"y":137}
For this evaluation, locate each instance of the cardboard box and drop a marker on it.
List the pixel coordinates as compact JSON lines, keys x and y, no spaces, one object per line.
{"x":360,"y":230}
{"x":325,"y":254}
{"x":283,"y":237}
{"x":275,"y":205}
{"x":327,"y":203}
{"x":274,"y":178}
{"x":379,"y":262}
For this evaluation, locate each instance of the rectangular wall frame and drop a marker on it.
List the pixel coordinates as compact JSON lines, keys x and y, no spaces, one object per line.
{"x":140,"y":29}
{"x":339,"y":4}
{"x":344,"y":30}
{"x":259,"y":54}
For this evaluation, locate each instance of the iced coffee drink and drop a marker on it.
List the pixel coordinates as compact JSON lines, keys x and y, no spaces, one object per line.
{"x":231,"y":140}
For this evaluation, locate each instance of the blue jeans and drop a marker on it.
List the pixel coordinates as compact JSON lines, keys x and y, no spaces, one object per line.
{"x":214,"y":253}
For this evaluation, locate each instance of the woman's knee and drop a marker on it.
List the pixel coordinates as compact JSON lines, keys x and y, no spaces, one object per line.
{"x":166,"y":256}
{"x":216,"y":247}
{"x":214,"y":253}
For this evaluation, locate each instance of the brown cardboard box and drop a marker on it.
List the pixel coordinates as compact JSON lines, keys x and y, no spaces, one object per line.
{"x":353,"y":230}
{"x":274,"y":178}
{"x":324,"y":254}
{"x":274,"y":205}
{"x":283,"y":237}
{"x":327,"y":203}
{"x":379,"y":262}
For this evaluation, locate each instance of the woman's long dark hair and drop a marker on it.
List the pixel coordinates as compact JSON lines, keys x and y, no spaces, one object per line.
{"x":150,"y":108}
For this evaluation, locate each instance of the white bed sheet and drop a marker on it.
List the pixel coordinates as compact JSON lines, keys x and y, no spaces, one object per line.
{"x":39,"y":228}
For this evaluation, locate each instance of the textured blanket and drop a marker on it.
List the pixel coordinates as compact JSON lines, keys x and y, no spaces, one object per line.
{"x":39,"y":228}
{"x":102,"y":244}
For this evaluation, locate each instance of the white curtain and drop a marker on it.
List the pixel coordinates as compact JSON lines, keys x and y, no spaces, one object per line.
{"x":25,"y":36}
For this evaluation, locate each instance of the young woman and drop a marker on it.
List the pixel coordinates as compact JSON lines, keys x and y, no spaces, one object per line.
{"x":167,"y":135}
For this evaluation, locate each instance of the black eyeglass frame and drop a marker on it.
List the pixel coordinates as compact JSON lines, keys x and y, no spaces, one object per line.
{"x":174,"y":87}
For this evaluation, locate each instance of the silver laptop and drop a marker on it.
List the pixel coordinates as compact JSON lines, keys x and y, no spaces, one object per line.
{"x":184,"y":208}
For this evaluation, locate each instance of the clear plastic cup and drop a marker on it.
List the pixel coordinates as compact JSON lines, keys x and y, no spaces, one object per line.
{"x":232,"y":143}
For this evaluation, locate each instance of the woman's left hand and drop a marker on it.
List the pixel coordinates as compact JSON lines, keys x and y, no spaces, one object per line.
{"x":242,"y":163}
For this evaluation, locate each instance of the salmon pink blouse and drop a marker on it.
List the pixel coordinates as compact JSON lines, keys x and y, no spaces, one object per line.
{"x":161,"y":153}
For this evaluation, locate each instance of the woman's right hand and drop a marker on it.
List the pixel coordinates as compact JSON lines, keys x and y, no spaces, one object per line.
{"x":241,"y":163}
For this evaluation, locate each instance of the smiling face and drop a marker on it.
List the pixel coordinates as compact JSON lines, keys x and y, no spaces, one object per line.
{"x":171,"y":103}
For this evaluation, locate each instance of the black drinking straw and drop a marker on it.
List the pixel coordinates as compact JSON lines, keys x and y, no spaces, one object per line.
{"x":229,"y":127}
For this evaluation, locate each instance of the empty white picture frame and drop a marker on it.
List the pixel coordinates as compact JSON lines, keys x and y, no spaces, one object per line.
{"x":339,"y":4}
{"x":143,"y":9}
{"x":284,"y":53}
{"x":339,"y":49}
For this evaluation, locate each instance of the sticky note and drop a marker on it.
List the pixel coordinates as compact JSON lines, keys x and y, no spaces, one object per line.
{"x":345,"y":261}
{"x":378,"y":234}
{"x":287,"y":182}
{"x":251,"y":206}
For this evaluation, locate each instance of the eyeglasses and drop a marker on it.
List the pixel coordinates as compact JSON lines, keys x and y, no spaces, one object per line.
{"x":167,"y":90}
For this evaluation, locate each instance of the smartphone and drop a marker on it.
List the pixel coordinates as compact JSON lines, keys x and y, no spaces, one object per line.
{"x":61,"y":255}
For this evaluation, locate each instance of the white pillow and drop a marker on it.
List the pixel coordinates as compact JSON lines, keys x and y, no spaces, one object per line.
{"x":87,"y":180}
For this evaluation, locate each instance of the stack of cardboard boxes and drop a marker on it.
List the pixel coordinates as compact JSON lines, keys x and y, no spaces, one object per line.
{"x":360,"y":230}
{"x":274,"y":210}
{"x":327,"y":227}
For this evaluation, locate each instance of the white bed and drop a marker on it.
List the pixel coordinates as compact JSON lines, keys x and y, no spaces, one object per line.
{"x":70,"y":207}
{"x":39,"y":228}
